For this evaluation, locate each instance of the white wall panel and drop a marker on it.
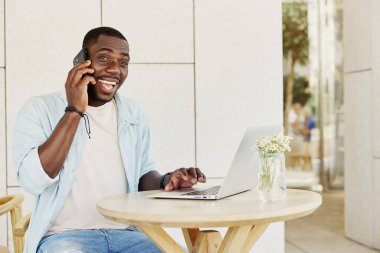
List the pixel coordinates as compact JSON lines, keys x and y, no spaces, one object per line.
{"x":3,"y":175}
{"x":357,"y":35}
{"x":2,"y":55}
{"x":158,"y":31}
{"x":358,"y":158}
{"x":42,"y":39}
{"x":238,"y":75}
{"x":166,"y":92}
{"x":375,"y":80}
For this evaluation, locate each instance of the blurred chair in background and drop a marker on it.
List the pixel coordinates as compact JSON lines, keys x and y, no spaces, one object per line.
{"x":12,"y":204}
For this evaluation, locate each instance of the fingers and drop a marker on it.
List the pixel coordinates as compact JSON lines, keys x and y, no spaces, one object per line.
{"x":197,"y":175}
{"x":194,"y":175}
{"x":86,"y":80}
{"x":173,"y":183}
{"x":78,"y":73}
{"x":176,"y":179}
{"x":200,"y":176}
{"x":183,"y":174}
{"x":182,"y":178}
{"x":169,"y":186}
{"x":71,"y":74}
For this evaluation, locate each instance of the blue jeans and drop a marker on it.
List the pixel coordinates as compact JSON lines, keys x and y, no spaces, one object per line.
{"x":97,"y":241}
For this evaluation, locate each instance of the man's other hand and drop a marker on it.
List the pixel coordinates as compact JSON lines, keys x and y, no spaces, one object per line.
{"x":184,"y":178}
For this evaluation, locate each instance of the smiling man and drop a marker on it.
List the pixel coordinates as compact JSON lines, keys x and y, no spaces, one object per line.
{"x":73,"y":148}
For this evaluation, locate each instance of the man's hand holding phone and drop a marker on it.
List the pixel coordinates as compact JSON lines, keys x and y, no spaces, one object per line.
{"x":76,"y":85}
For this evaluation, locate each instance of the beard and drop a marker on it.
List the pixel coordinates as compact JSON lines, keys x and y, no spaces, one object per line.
{"x":94,"y":98}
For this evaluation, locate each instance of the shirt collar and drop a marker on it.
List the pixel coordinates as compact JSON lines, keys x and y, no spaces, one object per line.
{"x":124,"y":113}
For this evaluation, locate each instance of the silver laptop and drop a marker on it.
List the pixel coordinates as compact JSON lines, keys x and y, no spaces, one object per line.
{"x":242,"y":174}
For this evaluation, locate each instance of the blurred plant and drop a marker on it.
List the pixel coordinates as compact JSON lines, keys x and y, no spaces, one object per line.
{"x":301,"y":90}
{"x":295,"y":45}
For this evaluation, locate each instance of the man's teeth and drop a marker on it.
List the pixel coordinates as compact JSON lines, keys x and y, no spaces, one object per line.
{"x":107,"y":82}
{"x":107,"y":86}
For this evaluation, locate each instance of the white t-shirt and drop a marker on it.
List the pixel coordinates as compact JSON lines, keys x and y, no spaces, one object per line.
{"x":100,"y":174}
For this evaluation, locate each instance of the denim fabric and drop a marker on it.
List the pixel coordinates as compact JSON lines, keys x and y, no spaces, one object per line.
{"x":35,"y":123}
{"x":97,"y":241}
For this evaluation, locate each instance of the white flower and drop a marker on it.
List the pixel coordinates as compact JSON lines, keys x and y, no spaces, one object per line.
{"x":273,"y":144}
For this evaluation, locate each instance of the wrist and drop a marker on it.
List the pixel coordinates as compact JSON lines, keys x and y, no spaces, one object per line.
{"x":164,"y":180}
{"x":72,"y":110}
{"x":72,"y":117}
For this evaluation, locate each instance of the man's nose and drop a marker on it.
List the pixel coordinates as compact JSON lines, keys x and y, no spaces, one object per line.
{"x":113,"y":67}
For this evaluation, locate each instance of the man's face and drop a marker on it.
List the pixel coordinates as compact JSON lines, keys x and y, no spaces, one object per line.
{"x":109,"y":58}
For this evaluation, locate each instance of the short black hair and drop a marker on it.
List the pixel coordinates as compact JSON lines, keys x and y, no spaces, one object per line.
{"x":93,"y":35}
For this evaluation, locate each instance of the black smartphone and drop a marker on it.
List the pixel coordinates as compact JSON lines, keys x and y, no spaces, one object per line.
{"x":81,"y":56}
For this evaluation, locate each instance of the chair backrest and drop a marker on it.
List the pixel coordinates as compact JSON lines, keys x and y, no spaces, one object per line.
{"x":12,"y":204}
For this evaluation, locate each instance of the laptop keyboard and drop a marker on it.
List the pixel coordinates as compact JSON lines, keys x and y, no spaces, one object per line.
{"x":209,"y":191}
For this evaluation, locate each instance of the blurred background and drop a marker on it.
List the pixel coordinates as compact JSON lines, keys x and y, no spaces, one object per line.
{"x":313,"y":92}
{"x":331,"y":84}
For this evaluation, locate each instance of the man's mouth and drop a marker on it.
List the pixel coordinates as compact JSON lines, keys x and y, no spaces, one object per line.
{"x":107,"y":85}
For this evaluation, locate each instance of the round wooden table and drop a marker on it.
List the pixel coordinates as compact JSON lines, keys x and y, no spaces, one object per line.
{"x":245,"y":214}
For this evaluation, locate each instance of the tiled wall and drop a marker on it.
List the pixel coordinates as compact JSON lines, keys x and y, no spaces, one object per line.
{"x":235,"y":83}
{"x":362,"y":121}
{"x":167,"y":93}
{"x":158,"y":31}
{"x":202,"y":69}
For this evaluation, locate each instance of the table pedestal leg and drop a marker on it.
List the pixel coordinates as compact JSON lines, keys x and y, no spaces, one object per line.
{"x":241,"y":239}
{"x":208,"y":241}
{"x":162,"y":239}
{"x":234,"y":239}
{"x":253,"y":236}
{"x":190,"y":235}
{"x":237,"y":239}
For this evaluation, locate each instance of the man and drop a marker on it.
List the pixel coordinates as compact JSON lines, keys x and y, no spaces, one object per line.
{"x":72,"y":149}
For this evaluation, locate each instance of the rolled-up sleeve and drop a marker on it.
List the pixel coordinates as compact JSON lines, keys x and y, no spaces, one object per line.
{"x":29,"y":133}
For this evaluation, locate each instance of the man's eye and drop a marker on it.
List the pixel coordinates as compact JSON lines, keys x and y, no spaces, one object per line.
{"x":124,"y":63}
{"x":102,"y":58}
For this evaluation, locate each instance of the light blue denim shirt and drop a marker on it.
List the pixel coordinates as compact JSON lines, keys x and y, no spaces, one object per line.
{"x":36,"y":122}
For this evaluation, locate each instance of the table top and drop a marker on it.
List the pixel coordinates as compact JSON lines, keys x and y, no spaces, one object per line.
{"x":241,"y":209}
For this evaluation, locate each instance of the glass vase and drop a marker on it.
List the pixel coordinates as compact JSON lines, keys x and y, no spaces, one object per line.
{"x":272,"y":182}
